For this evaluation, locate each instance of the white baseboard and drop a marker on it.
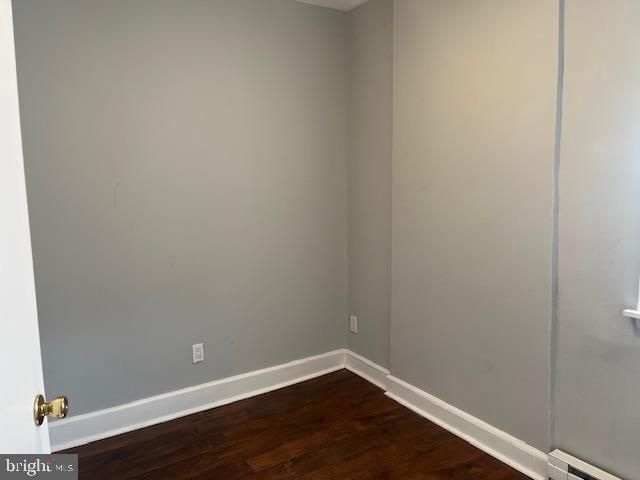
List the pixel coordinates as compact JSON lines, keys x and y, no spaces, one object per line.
{"x":93,"y":426}
{"x":506,"y":448}
{"x":366,"y":369}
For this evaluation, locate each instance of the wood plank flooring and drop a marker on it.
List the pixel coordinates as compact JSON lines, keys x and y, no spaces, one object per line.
{"x":333,"y":427}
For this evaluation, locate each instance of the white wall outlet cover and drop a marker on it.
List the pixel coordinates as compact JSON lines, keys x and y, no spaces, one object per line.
{"x":198,"y":352}
{"x":353,"y":324}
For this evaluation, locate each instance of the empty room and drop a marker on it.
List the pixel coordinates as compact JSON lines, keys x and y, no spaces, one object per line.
{"x":320,"y":239}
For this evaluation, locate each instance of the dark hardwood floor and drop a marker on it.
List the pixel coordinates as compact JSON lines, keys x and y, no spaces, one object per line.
{"x":333,"y":427}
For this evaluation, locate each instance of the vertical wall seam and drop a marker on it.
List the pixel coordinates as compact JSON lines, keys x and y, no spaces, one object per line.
{"x":392,"y":179}
{"x":349,"y":46}
{"x":553,"y":330}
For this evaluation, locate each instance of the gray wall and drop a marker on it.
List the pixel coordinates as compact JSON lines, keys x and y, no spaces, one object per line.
{"x":474,"y":121}
{"x":186,"y":168}
{"x":598,"y":358}
{"x":370,"y":132}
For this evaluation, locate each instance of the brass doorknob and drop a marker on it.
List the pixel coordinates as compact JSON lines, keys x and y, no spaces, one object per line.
{"x":58,"y":407}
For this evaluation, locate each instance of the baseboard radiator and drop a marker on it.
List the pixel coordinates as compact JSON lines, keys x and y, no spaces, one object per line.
{"x":563,"y":466}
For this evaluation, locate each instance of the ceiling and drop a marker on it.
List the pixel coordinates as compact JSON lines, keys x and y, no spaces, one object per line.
{"x":345,"y":5}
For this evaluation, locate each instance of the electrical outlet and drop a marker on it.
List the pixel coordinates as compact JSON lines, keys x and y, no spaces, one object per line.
{"x":353,"y":324}
{"x":198,"y":352}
